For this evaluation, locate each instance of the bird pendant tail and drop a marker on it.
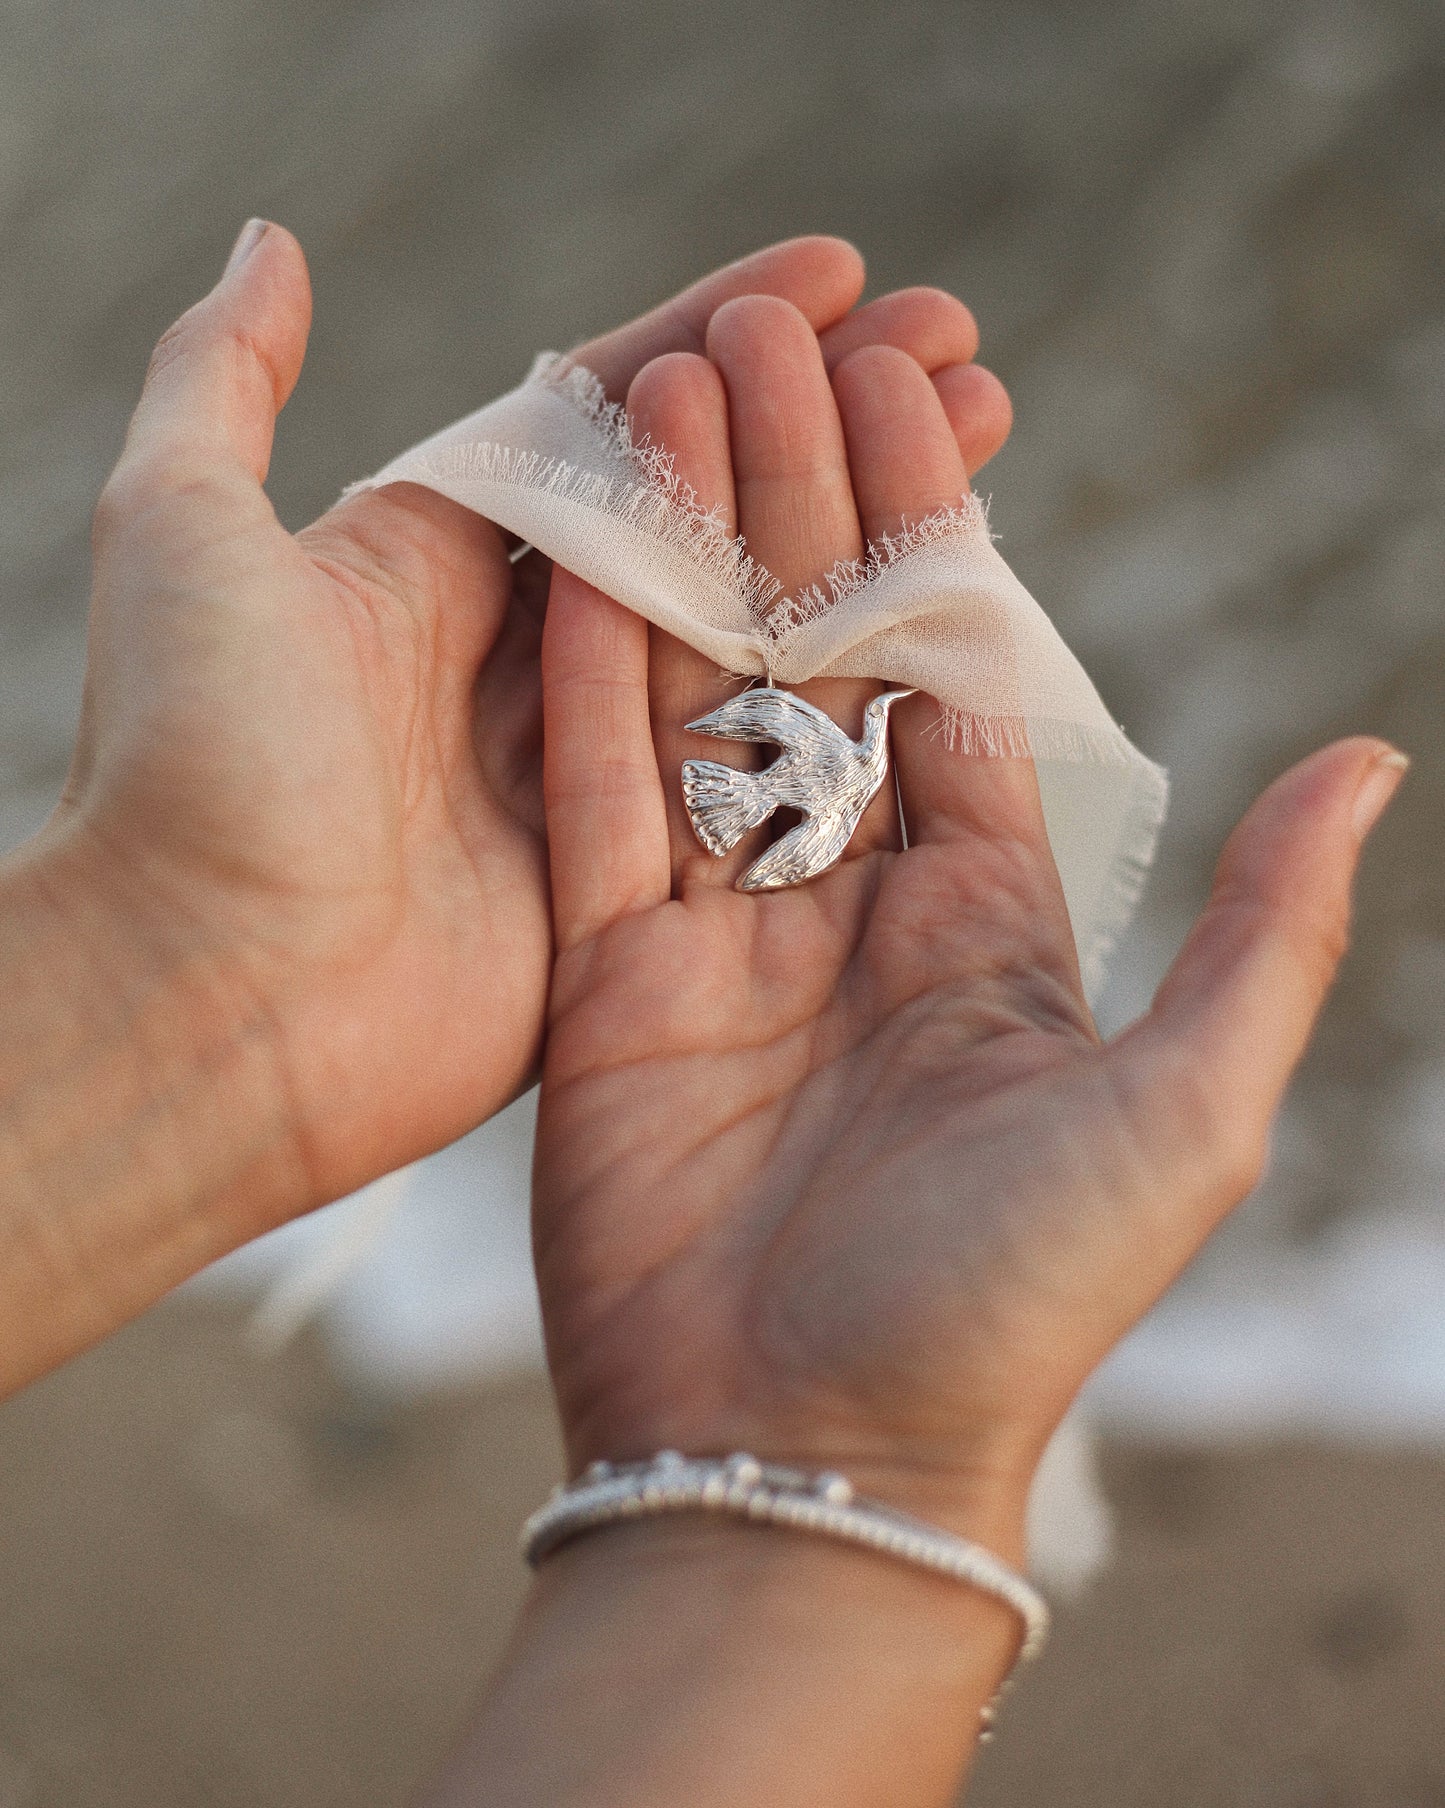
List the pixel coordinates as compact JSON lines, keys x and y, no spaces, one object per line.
{"x":723,"y":803}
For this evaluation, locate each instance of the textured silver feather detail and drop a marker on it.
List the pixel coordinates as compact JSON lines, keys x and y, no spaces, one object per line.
{"x":723,"y":803}
{"x":828,"y":778}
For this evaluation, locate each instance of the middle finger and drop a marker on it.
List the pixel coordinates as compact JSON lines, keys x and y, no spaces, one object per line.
{"x":794,"y":492}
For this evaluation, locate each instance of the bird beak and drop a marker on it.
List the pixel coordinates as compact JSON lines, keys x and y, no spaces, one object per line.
{"x":704,"y":725}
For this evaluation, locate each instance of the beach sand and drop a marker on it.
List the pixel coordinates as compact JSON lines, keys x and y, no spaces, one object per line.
{"x":229,"y":1582}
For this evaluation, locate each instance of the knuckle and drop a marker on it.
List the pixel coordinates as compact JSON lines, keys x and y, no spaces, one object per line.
{"x":1334,"y":943}
{"x":138,"y":487}
{"x":169,"y":349}
{"x":131,"y":489}
{"x":172,"y":346}
{"x":1319,"y":939}
{"x":254,"y":361}
{"x":247,"y":354}
{"x":1313,"y":929}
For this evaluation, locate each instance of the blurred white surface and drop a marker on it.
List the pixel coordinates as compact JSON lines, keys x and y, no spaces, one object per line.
{"x":424,"y":1281}
{"x":421,"y":1281}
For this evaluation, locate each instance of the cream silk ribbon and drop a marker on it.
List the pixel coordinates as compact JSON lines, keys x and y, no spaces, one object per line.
{"x":937,"y":609}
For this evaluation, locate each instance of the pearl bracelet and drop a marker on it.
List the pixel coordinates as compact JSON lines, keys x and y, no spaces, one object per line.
{"x":770,"y":1494}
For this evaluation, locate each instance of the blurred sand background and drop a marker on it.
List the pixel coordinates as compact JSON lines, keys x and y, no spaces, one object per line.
{"x":1204,"y":242}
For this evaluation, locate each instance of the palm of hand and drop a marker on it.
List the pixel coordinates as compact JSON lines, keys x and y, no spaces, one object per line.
{"x":793,"y":1159}
{"x":843,"y":1175}
{"x":361,"y":818}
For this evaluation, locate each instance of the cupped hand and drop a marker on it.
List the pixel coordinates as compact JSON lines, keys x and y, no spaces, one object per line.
{"x":843,"y":1175}
{"x":308,"y":774}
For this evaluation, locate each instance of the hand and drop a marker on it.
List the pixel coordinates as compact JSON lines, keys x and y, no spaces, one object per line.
{"x":288,"y":928}
{"x":843,"y":1175}
{"x":309,"y":767}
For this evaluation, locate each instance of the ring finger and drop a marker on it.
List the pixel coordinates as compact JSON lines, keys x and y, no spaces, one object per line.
{"x":906,"y":466}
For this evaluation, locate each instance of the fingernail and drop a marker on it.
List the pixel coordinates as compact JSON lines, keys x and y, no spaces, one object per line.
{"x":1377,"y":787}
{"x":251,"y":235}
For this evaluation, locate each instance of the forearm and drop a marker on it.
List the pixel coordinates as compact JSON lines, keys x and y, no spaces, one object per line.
{"x":716,"y":1664}
{"x":143,"y":1128}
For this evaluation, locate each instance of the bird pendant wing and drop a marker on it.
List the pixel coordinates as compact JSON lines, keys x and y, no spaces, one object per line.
{"x":804,"y":852}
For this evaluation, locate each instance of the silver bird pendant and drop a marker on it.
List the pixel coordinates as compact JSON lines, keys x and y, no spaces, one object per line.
{"x":820,"y":773}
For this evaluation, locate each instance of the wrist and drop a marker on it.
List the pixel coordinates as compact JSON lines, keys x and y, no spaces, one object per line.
{"x":975,"y":1487}
{"x":802,"y":1602}
{"x":717,"y":1661}
{"x":143,"y":1129}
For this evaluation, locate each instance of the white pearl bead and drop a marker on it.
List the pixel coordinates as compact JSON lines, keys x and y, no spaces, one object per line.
{"x":836,"y":1489}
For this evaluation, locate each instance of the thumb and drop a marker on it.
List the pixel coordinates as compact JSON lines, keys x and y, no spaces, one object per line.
{"x":220,"y":375}
{"x":1213,"y":1056}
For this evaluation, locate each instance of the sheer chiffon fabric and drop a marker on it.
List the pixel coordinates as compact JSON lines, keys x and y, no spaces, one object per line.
{"x":937,"y":608}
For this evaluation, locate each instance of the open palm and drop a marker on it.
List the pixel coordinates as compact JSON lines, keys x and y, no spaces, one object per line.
{"x":843,"y":1174}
